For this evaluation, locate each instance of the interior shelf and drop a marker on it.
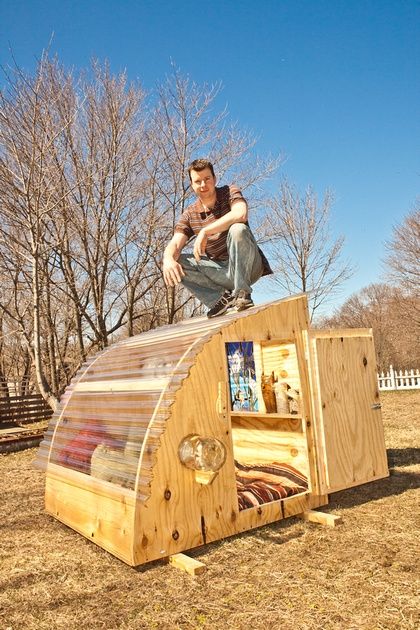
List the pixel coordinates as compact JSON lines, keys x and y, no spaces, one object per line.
{"x":258,"y":414}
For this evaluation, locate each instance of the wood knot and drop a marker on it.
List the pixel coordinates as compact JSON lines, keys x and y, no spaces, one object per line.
{"x":364,"y":361}
{"x":175,"y":534}
{"x":167,"y":494}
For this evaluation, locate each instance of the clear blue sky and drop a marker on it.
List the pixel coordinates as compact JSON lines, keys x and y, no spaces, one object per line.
{"x":333,"y":84}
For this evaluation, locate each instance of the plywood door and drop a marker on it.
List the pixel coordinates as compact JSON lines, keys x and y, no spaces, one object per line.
{"x":350,"y":445}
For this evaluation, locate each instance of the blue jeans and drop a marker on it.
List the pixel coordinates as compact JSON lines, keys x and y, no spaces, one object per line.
{"x":208,"y":279}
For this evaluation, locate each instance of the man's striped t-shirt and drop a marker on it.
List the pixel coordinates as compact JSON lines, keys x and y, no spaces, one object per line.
{"x":196,"y":216}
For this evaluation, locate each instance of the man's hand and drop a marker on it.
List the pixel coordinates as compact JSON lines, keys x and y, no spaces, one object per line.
{"x":172,"y":272}
{"x":200,"y":245}
{"x":171,"y":269}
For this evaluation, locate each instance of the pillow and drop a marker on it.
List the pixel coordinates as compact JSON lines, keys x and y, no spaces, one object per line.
{"x":262,"y":483}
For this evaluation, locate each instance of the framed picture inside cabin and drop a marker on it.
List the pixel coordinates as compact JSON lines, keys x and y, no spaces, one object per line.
{"x":242,"y":377}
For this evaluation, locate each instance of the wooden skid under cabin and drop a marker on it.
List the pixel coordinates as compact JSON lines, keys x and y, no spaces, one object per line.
{"x":197,"y":431}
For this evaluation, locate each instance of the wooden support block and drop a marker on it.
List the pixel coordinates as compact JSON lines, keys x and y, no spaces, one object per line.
{"x":191,"y":566}
{"x":331,"y":520}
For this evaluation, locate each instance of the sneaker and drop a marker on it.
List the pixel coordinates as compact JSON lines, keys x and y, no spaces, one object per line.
{"x":243,"y":301}
{"x":223,"y":303}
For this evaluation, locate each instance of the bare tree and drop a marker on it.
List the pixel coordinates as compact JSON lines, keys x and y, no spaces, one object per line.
{"x":404,"y":251}
{"x":104,"y":239}
{"x":28,"y":131}
{"x":306,"y":257}
{"x":382,"y":307}
{"x":92,"y":180}
{"x":15,"y":362}
{"x":4,"y":390}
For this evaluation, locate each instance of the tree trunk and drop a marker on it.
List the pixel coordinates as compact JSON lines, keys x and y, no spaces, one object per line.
{"x":43,"y":385}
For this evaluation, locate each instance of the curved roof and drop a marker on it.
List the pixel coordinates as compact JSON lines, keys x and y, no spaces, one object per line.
{"x":123,"y":394}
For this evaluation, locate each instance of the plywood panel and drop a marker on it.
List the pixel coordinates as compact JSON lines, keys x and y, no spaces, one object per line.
{"x":257,"y":440}
{"x":261,"y":515}
{"x":181,"y":513}
{"x":106,"y":520}
{"x":350,"y":425}
{"x":282,"y":360}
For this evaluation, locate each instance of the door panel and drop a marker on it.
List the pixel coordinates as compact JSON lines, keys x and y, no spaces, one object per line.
{"x":350,"y":445}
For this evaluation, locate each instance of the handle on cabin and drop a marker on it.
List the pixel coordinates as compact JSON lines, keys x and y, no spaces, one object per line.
{"x":221,"y":402}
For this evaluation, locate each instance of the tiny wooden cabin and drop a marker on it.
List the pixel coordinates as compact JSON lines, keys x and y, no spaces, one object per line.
{"x":193,"y":432}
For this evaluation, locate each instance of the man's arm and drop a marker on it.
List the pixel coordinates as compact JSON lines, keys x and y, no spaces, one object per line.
{"x":237,"y":214}
{"x":172,"y":270}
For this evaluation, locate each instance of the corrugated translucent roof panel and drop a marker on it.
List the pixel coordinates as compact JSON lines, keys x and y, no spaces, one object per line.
{"x":105,"y":413}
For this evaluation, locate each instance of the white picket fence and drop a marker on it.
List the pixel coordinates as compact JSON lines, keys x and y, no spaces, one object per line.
{"x":409,"y":379}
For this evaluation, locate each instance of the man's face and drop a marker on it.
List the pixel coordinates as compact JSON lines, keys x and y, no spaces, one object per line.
{"x":203,"y":184}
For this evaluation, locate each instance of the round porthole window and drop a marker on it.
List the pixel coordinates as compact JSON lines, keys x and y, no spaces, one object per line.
{"x":202,"y":453}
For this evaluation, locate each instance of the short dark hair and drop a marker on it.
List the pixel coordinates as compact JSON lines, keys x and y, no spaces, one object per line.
{"x":200,"y":165}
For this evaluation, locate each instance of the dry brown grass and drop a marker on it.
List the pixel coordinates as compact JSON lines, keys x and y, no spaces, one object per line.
{"x":291,"y":575}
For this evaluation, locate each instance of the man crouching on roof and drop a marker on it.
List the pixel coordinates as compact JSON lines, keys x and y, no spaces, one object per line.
{"x":226,"y":259}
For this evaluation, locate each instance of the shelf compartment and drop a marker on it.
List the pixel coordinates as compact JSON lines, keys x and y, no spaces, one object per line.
{"x":265,"y":416}
{"x":267,"y":440}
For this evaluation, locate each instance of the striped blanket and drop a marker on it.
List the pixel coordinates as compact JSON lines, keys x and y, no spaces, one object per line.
{"x":262,"y":483}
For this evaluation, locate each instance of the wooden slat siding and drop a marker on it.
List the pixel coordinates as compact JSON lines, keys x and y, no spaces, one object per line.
{"x":15,"y":409}
{"x":17,"y":406}
{"x":24,"y":409}
{"x":22,"y":397}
